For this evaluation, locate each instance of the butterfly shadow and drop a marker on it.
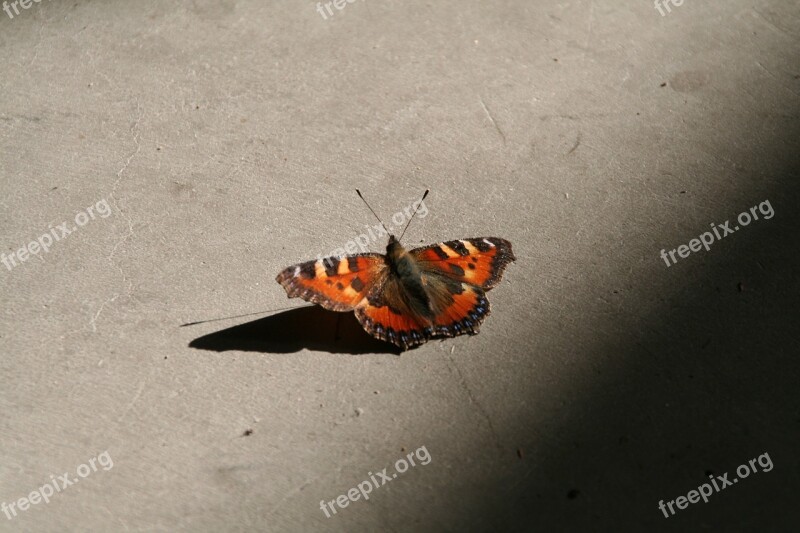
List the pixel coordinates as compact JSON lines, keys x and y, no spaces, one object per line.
{"x":312,"y":328}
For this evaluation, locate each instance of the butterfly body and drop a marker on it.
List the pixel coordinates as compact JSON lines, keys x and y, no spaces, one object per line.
{"x":402,"y":265}
{"x":407,"y":297}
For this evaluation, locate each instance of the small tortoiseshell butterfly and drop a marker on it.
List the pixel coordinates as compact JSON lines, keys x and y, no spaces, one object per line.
{"x":407,"y":297}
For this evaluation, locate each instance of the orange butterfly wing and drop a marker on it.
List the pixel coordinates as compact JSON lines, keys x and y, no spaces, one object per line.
{"x":463,"y":314}
{"x":479,"y":262}
{"x":333,"y":283}
{"x":455,"y":275}
{"x":387,"y":315}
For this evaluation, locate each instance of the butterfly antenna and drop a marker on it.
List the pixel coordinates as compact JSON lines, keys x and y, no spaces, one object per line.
{"x":373,"y":212}
{"x":241,"y":316}
{"x":415,"y":212}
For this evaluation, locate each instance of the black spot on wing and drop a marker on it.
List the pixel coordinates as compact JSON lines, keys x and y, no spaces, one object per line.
{"x":357,"y":284}
{"x":331,"y":265}
{"x":457,"y":270}
{"x":480,"y":245}
{"x":458,"y":247}
{"x":339,"y":285}
{"x":352,"y":263}
{"x":308,"y":270}
{"x":441,"y":253}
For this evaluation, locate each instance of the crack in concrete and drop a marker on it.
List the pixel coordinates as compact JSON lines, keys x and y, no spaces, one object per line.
{"x":488,"y":114}
{"x":463,"y":382}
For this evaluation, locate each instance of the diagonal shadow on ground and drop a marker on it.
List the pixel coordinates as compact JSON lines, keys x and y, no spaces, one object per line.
{"x":312,"y":328}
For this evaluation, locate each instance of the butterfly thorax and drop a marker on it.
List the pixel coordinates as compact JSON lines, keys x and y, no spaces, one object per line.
{"x":403,"y":266}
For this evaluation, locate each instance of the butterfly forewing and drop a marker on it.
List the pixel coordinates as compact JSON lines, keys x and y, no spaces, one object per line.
{"x":479,"y":262}
{"x":337,"y":284}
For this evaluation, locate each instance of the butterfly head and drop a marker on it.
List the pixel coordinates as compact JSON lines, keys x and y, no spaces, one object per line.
{"x":395,"y":250}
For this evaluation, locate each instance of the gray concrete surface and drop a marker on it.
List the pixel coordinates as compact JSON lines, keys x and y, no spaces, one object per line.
{"x":226,"y":138}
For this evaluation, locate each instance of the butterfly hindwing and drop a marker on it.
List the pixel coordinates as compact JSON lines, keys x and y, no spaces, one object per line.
{"x":478,"y":262}
{"x":337,"y":284}
{"x":459,"y":308}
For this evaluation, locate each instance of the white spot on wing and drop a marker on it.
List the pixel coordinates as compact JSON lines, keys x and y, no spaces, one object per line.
{"x":489,"y":243}
{"x":319,"y":269}
{"x":296,"y":271}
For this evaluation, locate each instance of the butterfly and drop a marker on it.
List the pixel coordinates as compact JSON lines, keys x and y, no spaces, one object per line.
{"x":407,"y":297}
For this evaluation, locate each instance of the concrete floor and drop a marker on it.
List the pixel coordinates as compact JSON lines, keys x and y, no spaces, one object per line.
{"x":219,"y":141}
